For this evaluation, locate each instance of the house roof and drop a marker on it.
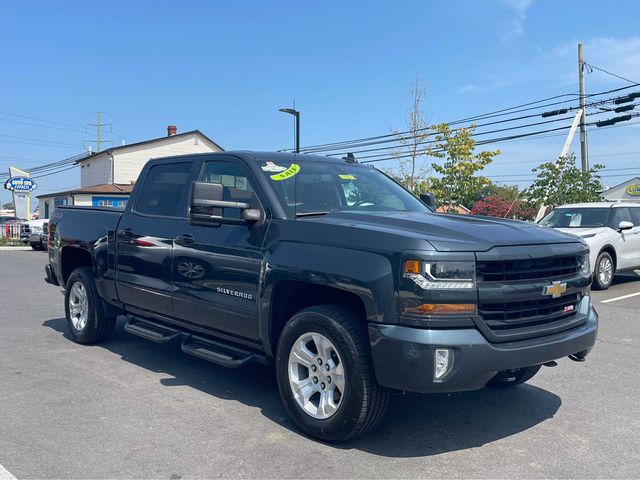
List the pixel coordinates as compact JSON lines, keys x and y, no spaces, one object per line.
{"x":145,"y":142}
{"x":105,"y":188}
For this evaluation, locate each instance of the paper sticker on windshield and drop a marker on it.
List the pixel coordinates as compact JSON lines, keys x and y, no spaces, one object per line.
{"x":272,"y":167}
{"x":288,"y":173}
{"x":347,"y":177}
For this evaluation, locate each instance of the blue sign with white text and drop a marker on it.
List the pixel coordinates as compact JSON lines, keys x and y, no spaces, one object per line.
{"x":20,"y":184}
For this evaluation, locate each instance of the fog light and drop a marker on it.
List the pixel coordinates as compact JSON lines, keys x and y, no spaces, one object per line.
{"x":442,"y":363}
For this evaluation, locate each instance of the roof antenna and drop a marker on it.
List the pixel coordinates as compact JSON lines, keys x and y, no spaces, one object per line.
{"x":350,"y":158}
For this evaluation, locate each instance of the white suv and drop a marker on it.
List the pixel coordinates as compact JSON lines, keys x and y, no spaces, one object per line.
{"x":612,"y":231}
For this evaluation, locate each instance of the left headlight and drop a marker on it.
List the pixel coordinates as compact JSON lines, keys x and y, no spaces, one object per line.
{"x":584,"y":265}
{"x":441,"y":274}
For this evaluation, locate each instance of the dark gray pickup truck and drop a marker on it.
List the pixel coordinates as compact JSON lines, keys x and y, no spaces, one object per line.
{"x":332,"y":271}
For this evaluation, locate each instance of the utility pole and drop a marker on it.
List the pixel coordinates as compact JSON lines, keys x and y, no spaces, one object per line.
{"x":98,"y":132}
{"x":584,"y":147}
{"x":98,"y":126}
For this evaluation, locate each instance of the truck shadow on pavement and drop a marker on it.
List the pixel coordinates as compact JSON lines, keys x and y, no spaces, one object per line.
{"x":415,"y":425}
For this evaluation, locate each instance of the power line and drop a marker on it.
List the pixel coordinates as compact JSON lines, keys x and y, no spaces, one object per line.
{"x":41,"y":120}
{"x":495,"y":140}
{"x":610,"y":73}
{"x":390,"y":149}
{"x":398,"y":143}
{"x":496,"y":113}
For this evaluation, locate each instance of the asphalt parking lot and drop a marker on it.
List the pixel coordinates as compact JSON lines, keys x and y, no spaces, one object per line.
{"x":131,"y":408}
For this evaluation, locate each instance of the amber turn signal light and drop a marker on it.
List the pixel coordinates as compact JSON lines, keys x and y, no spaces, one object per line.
{"x":443,"y":309}
{"x":412,"y":266}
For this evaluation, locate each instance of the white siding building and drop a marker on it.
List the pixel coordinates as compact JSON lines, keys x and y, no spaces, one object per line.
{"x":107,"y":177}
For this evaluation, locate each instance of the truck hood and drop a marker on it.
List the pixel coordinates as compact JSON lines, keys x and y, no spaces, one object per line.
{"x":451,"y":233}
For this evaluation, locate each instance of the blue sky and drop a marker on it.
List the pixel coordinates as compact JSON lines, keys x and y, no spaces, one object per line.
{"x":226,"y":67}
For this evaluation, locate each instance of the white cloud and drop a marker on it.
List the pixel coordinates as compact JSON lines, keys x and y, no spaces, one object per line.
{"x":484,"y":87}
{"x":518,"y":10}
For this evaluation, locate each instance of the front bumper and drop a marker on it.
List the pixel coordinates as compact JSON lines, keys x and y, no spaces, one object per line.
{"x":403,"y":357}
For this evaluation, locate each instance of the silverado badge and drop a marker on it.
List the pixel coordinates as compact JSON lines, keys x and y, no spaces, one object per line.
{"x":556,"y":289}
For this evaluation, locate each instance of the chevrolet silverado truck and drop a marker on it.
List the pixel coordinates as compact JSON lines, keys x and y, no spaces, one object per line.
{"x":330,"y":270}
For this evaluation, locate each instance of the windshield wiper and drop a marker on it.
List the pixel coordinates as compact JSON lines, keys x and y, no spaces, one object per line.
{"x":310,"y":214}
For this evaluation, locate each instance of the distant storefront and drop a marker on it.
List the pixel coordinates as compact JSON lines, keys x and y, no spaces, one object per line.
{"x":628,"y":191}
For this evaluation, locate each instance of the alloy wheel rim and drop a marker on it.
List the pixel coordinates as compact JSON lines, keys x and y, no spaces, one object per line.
{"x":605,"y":271}
{"x":78,"y":306}
{"x":316,"y":375}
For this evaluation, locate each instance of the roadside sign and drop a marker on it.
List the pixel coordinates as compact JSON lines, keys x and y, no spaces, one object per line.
{"x":20,"y":184}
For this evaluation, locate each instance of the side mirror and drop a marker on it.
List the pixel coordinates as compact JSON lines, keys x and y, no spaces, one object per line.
{"x":429,"y":199}
{"x":207,"y":206}
{"x":624,"y":225}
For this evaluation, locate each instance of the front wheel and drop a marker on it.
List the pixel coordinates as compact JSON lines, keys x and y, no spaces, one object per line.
{"x":325,"y":374}
{"x":513,"y":377}
{"x":603,"y":274}
{"x":86,"y":317}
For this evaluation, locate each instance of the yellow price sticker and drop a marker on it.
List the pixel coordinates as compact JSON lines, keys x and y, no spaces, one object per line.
{"x":347,"y":177}
{"x":288,"y":173}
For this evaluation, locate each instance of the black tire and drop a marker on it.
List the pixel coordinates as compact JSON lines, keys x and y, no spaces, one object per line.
{"x":37,"y":247}
{"x":598,"y":282}
{"x":364,"y":402}
{"x":99,"y":326}
{"x":512,"y":378}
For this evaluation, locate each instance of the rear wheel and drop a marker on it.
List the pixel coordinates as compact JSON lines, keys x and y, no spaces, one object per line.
{"x":86,"y":317}
{"x":325,"y":374}
{"x":603,"y":274}
{"x":513,"y":377}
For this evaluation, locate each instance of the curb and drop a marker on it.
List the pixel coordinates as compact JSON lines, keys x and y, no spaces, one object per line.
{"x":23,"y":249}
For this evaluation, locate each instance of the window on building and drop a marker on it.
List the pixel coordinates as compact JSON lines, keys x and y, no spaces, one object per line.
{"x":163,"y":188}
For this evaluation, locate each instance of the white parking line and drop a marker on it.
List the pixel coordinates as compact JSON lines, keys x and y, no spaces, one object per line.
{"x":6,"y":474}
{"x":615,"y":299}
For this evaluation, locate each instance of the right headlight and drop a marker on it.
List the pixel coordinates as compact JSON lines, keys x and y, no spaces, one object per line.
{"x":441,"y":274}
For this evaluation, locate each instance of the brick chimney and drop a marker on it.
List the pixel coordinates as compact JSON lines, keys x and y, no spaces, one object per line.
{"x":171,"y":130}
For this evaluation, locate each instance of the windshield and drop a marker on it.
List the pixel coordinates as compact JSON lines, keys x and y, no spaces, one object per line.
{"x":308,"y":188}
{"x":576,"y":218}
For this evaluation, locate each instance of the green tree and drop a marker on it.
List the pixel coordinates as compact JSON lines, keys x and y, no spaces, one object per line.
{"x":458,"y":183}
{"x":7,"y":206}
{"x":561,"y":182}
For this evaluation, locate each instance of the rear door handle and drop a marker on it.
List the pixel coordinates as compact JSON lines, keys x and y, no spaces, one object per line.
{"x":184,"y":240}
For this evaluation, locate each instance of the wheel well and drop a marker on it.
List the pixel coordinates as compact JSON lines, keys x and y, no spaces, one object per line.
{"x":610,"y":250}
{"x":289,"y":297}
{"x":72,"y":258}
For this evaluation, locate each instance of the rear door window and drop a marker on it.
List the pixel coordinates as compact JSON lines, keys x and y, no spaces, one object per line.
{"x":164,"y":190}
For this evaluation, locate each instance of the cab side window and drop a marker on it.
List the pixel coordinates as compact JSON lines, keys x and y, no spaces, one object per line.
{"x":635,"y":215}
{"x":163,"y":188}
{"x":236,"y":186}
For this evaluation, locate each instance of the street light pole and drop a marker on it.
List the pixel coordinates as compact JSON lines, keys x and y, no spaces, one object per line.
{"x":296,"y":114}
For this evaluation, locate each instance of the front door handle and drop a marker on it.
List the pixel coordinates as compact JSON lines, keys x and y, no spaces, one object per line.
{"x":184,"y":240}
{"x":126,"y":233}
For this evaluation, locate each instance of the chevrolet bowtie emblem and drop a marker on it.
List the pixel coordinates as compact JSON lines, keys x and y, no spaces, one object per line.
{"x":556,"y":289}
